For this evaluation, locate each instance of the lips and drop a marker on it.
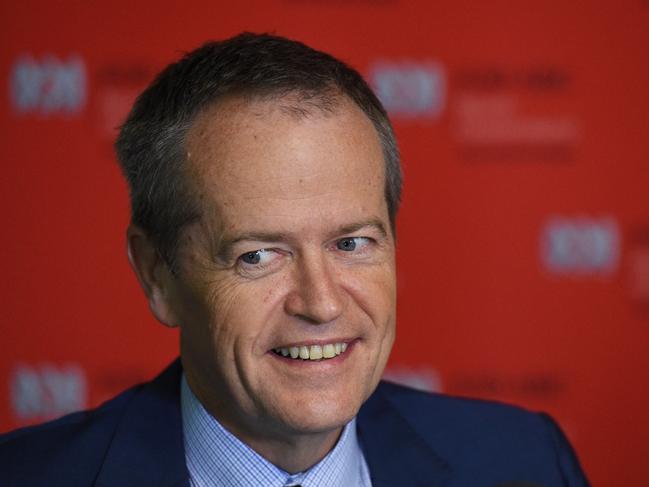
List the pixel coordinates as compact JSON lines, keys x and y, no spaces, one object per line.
{"x":312,"y":352}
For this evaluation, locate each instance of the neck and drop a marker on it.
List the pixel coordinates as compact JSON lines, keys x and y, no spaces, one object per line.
{"x":292,"y":451}
{"x":295,"y":454}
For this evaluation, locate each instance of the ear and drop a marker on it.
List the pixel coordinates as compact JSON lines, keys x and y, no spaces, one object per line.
{"x":153,"y":273}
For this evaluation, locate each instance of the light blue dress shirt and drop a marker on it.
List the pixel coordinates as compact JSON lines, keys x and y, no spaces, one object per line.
{"x":215,"y":457}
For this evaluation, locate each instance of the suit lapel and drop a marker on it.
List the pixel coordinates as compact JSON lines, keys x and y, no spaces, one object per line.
{"x":396,"y":454}
{"x":148,"y":445}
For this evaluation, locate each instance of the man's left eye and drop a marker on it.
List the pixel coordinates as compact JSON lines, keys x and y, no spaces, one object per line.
{"x":349,"y":244}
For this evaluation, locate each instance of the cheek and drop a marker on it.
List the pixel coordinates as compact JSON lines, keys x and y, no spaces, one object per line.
{"x":374,"y":290}
{"x":238,"y":314}
{"x":205,"y":310}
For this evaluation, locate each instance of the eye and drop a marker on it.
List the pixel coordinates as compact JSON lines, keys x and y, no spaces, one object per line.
{"x":350,"y":244}
{"x":260,"y":262}
{"x":259,"y":257}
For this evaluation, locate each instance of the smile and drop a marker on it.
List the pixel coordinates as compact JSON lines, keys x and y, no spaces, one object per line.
{"x":313,"y":352}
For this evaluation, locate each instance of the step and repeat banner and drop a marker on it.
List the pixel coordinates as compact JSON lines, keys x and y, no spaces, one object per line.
{"x":524,"y":234}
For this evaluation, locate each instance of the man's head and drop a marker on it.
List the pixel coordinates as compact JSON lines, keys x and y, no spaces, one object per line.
{"x":282,"y":215}
{"x":151,"y":144}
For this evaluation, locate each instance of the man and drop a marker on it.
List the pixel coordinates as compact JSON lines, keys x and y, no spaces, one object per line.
{"x":265,"y":183}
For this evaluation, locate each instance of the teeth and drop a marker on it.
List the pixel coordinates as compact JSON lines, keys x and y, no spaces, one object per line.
{"x":313,"y":352}
{"x":304,"y":353}
{"x":328,"y":351}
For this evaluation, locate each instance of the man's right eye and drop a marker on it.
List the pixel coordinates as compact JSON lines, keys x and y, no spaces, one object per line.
{"x":252,"y":258}
{"x":260,"y":258}
{"x":259,"y":262}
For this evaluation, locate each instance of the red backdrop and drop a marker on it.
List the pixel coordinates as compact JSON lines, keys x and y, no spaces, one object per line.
{"x":523,"y":239}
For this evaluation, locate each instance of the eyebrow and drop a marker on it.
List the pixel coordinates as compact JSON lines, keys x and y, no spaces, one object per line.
{"x":374,"y":223}
{"x":227,"y":244}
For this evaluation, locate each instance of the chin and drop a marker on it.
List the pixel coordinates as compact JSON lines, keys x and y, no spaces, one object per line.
{"x":318,"y":416}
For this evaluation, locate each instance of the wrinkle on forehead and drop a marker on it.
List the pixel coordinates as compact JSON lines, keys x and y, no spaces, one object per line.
{"x":214,"y":159}
{"x":255,"y":168}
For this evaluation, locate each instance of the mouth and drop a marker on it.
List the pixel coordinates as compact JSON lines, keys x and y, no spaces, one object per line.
{"x":319,"y":352}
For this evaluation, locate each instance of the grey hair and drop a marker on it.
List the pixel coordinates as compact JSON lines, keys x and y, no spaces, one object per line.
{"x":151,"y":143}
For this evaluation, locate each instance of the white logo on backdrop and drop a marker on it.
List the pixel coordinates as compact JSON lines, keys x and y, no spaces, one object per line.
{"x":410,"y":89}
{"x":424,"y":378}
{"x":49,"y":85}
{"x":46,"y":391}
{"x":580,"y":245}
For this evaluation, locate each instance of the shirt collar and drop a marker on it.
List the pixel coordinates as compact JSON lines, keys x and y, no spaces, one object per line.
{"x":215,"y":456}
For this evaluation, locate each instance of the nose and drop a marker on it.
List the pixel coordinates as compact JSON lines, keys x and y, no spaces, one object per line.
{"x":316,"y":296}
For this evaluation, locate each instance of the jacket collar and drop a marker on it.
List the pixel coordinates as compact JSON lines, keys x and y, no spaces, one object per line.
{"x":148,"y":447}
{"x":395,"y":452}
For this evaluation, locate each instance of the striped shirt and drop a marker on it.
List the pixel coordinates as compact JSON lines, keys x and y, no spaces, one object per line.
{"x":215,"y":457}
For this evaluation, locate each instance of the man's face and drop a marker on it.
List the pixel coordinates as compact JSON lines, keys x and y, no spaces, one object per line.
{"x":294,"y":252}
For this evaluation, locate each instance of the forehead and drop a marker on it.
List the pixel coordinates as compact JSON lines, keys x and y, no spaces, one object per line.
{"x":262,"y":157}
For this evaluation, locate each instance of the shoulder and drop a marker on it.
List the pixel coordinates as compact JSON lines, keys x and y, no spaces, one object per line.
{"x":476,"y":435}
{"x":71,"y":447}
{"x":135,"y":437}
{"x":427,"y":409}
{"x":474,"y":420}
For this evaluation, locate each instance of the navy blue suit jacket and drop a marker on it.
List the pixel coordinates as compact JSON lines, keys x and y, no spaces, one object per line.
{"x":409,"y":438}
